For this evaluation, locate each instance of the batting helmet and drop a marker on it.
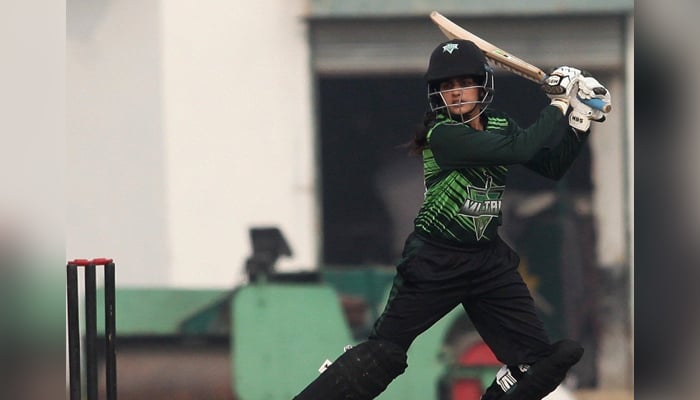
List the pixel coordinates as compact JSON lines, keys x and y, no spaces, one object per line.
{"x":456,"y":58}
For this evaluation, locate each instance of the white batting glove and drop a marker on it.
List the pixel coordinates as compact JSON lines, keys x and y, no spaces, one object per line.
{"x":582,"y":114}
{"x":559,"y":84}
{"x":590,"y":88}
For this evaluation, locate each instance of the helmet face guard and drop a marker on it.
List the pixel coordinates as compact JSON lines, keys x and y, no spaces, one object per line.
{"x":454,"y":59}
{"x":438,"y":103}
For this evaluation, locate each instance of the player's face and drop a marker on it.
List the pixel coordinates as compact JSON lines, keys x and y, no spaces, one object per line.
{"x":460,"y":95}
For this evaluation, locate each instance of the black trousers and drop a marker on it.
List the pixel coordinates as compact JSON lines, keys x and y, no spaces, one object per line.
{"x":433,"y":279}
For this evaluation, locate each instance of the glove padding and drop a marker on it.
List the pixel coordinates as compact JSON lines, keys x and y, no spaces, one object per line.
{"x":586,"y":87}
{"x":589,"y":88}
{"x":560,"y":82}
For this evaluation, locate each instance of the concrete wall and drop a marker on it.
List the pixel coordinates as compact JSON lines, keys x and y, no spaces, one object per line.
{"x":31,"y":129}
{"x":187,"y":123}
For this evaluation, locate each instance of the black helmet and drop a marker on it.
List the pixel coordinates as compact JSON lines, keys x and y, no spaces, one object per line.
{"x":456,"y":58}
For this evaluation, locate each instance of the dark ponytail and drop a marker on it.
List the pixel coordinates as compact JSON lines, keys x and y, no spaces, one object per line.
{"x":420,"y":137}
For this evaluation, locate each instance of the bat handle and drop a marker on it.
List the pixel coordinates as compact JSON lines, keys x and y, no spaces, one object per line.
{"x":598,"y":104}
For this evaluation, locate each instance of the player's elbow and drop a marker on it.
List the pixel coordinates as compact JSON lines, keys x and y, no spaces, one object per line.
{"x":556,"y":175}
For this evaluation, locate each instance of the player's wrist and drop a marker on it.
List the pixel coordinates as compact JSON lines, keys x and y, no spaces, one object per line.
{"x":579,"y":121}
{"x":561,"y":103}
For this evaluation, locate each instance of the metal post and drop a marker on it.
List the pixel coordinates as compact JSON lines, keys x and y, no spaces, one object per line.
{"x":73,"y":331}
{"x":110,"y":332}
{"x":91,"y":331}
{"x":74,"y":351}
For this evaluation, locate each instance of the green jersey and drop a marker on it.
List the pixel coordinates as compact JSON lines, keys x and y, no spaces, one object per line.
{"x":465,"y":171}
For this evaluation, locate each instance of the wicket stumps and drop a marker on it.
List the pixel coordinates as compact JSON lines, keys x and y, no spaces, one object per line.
{"x":74,"y":354}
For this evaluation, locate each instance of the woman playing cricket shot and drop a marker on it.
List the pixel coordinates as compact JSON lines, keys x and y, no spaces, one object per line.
{"x":455,"y":257}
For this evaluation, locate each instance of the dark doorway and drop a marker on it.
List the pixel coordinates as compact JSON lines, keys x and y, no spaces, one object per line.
{"x":364,"y":122}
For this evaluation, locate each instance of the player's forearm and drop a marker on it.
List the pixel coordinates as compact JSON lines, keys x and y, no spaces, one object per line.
{"x":455,"y":149}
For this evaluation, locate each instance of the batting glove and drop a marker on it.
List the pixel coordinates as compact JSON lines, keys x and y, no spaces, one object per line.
{"x":559,"y":84}
{"x":590,"y":88}
{"x":581,"y":115}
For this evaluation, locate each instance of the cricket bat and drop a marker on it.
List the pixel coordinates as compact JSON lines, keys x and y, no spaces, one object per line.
{"x":502,"y":58}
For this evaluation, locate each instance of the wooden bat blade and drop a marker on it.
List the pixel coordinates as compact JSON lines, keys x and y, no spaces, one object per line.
{"x":502,"y":58}
{"x":495,"y":54}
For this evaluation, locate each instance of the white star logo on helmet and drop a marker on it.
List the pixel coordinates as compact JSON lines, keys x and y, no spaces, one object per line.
{"x":450,"y":47}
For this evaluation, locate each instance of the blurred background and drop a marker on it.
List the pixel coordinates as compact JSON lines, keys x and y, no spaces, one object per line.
{"x":243,"y":165}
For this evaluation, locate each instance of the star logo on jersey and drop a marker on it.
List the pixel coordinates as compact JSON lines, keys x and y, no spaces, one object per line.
{"x":450,"y":47}
{"x":482,"y":205}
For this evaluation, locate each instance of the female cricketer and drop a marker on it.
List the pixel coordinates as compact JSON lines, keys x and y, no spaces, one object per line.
{"x":455,"y":256}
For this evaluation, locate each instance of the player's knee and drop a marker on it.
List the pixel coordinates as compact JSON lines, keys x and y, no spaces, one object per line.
{"x":361,"y":373}
{"x":566,"y":353}
{"x":534,"y":382}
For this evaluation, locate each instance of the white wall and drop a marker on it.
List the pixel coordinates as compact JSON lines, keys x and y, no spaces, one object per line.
{"x":115,"y":155}
{"x":187,"y":123}
{"x":32,"y":105}
{"x":238,"y":133}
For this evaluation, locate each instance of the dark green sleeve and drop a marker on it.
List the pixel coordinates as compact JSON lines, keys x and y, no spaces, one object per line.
{"x":553,"y":163}
{"x":457,"y":146}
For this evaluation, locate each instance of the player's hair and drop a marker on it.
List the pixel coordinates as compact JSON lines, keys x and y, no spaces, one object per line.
{"x":420,"y":136}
